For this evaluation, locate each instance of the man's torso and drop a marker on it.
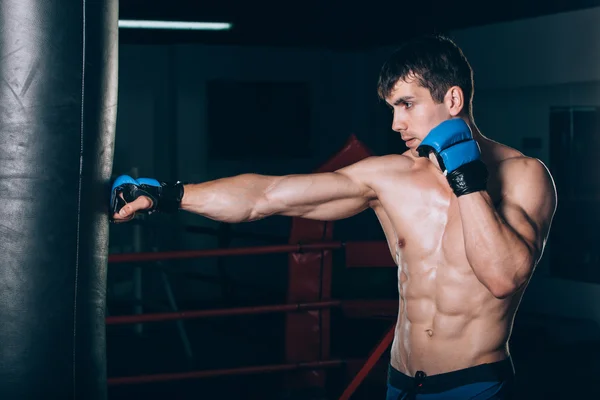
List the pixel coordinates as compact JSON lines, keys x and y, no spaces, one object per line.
{"x":447,"y":319}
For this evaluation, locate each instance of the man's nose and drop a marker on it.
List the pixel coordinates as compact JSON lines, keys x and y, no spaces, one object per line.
{"x":398,"y":123}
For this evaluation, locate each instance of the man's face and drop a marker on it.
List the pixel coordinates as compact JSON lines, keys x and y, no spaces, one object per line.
{"x":415,"y":112}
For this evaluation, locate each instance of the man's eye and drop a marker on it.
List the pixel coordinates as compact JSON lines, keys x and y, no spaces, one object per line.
{"x":408,"y":104}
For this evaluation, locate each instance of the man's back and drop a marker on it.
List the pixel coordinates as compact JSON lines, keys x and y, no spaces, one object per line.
{"x":448,"y":319}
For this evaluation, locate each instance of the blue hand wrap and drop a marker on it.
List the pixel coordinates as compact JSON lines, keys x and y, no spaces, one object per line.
{"x":165,"y":197}
{"x":457,"y":154}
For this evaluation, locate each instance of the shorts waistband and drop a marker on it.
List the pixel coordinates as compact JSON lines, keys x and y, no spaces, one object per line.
{"x":492,"y":372}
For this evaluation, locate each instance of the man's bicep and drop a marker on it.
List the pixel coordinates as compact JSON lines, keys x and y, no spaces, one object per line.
{"x":348,"y":190}
{"x":336,"y":209}
{"x":529,"y":204}
{"x":321,"y":196}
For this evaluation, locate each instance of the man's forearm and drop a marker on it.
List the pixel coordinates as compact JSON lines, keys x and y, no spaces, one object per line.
{"x":232,"y":199}
{"x":498,"y":255}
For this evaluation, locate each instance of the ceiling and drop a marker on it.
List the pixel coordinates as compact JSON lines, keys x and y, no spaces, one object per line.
{"x":329,"y":24}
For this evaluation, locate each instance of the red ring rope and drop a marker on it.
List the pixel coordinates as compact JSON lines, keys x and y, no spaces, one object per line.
{"x":134,"y":319}
{"x":240,"y":251}
{"x":128,"y":380}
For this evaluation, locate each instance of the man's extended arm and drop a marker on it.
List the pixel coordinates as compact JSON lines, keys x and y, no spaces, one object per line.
{"x":248,"y":197}
{"x":503,"y":245}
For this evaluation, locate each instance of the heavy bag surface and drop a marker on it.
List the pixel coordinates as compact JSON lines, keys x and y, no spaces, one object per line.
{"x":58,"y":102}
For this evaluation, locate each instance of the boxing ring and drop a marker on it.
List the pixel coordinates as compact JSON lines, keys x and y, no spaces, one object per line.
{"x":308,"y":306}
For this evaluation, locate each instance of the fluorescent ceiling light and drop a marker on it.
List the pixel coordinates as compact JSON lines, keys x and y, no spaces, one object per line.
{"x":206,"y":26}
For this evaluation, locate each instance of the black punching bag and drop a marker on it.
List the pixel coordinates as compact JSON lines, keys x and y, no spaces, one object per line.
{"x":57,"y":124}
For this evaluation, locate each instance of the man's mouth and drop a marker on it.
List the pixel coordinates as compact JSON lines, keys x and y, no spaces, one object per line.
{"x":410,"y":142}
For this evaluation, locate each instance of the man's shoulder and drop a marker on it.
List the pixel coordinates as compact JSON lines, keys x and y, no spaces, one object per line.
{"x":526,"y":176}
{"x":510,"y":161}
{"x":404,"y":160}
{"x":524,"y":166}
{"x":374,"y":171}
{"x":387,"y":163}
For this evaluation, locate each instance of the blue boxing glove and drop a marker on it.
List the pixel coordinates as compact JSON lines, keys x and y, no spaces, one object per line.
{"x":458,"y":155}
{"x":165,"y":197}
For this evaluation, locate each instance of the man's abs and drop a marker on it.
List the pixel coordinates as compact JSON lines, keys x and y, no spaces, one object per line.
{"x":436,"y":348}
{"x":447,"y":319}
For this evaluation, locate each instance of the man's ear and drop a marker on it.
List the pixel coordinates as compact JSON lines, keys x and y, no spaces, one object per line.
{"x":454,"y":100}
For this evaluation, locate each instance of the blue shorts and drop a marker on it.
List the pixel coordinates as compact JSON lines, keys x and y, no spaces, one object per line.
{"x":485,"y":381}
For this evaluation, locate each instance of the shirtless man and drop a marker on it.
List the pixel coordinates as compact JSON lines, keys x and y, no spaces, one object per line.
{"x":465,"y":217}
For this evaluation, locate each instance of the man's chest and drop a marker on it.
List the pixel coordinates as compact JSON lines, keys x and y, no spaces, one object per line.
{"x":426,"y":219}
